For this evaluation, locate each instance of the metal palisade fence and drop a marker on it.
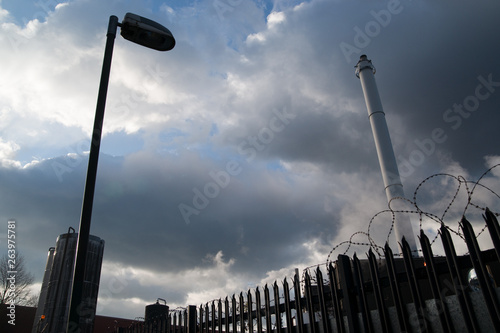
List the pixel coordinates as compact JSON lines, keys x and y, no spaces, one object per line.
{"x":430,"y":293}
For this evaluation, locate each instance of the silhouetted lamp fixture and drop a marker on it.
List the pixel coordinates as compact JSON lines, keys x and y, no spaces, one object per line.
{"x":147,"y":33}
{"x":144,"y":32}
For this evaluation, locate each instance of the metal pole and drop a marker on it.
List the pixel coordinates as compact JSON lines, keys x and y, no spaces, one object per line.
{"x":388,"y":165}
{"x":76,"y":301}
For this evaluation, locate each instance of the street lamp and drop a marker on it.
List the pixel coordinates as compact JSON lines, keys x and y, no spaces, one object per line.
{"x":144,"y":32}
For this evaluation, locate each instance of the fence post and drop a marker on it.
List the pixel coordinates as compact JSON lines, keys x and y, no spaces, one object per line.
{"x":298,"y":303}
{"x":458,"y":283}
{"x":348,"y":292}
{"x":250,"y":311}
{"x":430,"y":267}
{"x":382,"y":311}
{"x":339,"y":317}
{"x":212,"y":319}
{"x":489,"y":293}
{"x":207,"y":319}
{"x":309,"y":303}
{"x":288,"y":311}
{"x":277,"y":311}
{"x":394,"y":283}
{"x":191,"y":319}
{"x":226,"y":315}
{"x":494,"y":229}
{"x":257,"y":309}
{"x":219,"y":315}
{"x":242,"y":313}
{"x":414,"y":286}
{"x":360,"y":286}
{"x":233,"y":309}
{"x":321,"y":301}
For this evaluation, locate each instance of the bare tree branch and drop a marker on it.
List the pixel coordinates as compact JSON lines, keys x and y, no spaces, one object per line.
{"x":19,"y":282}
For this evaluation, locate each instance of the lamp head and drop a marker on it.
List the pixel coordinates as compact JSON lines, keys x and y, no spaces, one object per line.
{"x":145,"y":32}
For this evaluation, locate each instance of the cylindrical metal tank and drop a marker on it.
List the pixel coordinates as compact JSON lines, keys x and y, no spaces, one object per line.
{"x":155,"y":310}
{"x":56,"y":305}
{"x":43,"y":292}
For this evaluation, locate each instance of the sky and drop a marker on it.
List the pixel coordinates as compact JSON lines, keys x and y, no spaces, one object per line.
{"x":246,"y":151}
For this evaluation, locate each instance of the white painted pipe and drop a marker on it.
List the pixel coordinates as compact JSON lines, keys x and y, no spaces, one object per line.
{"x":393,"y":187}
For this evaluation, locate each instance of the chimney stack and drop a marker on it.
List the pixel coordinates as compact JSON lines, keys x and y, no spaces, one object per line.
{"x":393,"y":187}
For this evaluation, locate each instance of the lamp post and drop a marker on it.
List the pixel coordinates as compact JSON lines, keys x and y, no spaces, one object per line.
{"x":144,"y":32}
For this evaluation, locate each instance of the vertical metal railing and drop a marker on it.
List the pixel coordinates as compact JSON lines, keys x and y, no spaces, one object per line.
{"x":379,"y":295}
{"x":415,"y":290}
{"x":489,"y":293}
{"x":335,"y":297}
{"x":458,"y":281}
{"x":430,"y":267}
{"x":395,"y":283}
{"x":362,"y":294}
{"x":357,"y":294}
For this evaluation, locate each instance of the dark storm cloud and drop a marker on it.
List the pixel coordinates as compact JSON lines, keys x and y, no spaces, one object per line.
{"x":429,"y":57}
{"x":136,"y":211}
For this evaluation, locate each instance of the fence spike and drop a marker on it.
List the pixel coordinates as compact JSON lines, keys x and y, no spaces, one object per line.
{"x":489,"y":293}
{"x":348,"y":297}
{"x":288,"y":311}
{"x":250,"y":311}
{"x":360,"y":286}
{"x":277,"y":311}
{"x":430,"y":267}
{"x":242,"y":312}
{"x":321,"y":301}
{"x":339,"y":318}
{"x":207,"y":319}
{"x":298,"y":303}
{"x":219,"y":315}
{"x":458,"y":283}
{"x":394,"y":283}
{"x":374,"y":274}
{"x":494,"y":229}
{"x":226,"y":314}
{"x":309,"y":303}
{"x":267,"y":304}
{"x":414,"y":287}
{"x":258,"y":309}
{"x":213,"y":317}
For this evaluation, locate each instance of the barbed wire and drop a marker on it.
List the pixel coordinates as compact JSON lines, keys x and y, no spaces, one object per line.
{"x":415,"y":209}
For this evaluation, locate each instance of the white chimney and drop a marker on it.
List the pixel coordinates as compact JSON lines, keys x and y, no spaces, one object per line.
{"x":393,"y":187}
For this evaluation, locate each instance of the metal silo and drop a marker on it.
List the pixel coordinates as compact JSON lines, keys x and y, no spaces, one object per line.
{"x":57,"y":300}
{"x":156,"y":310}
{"x":38,"y":324}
